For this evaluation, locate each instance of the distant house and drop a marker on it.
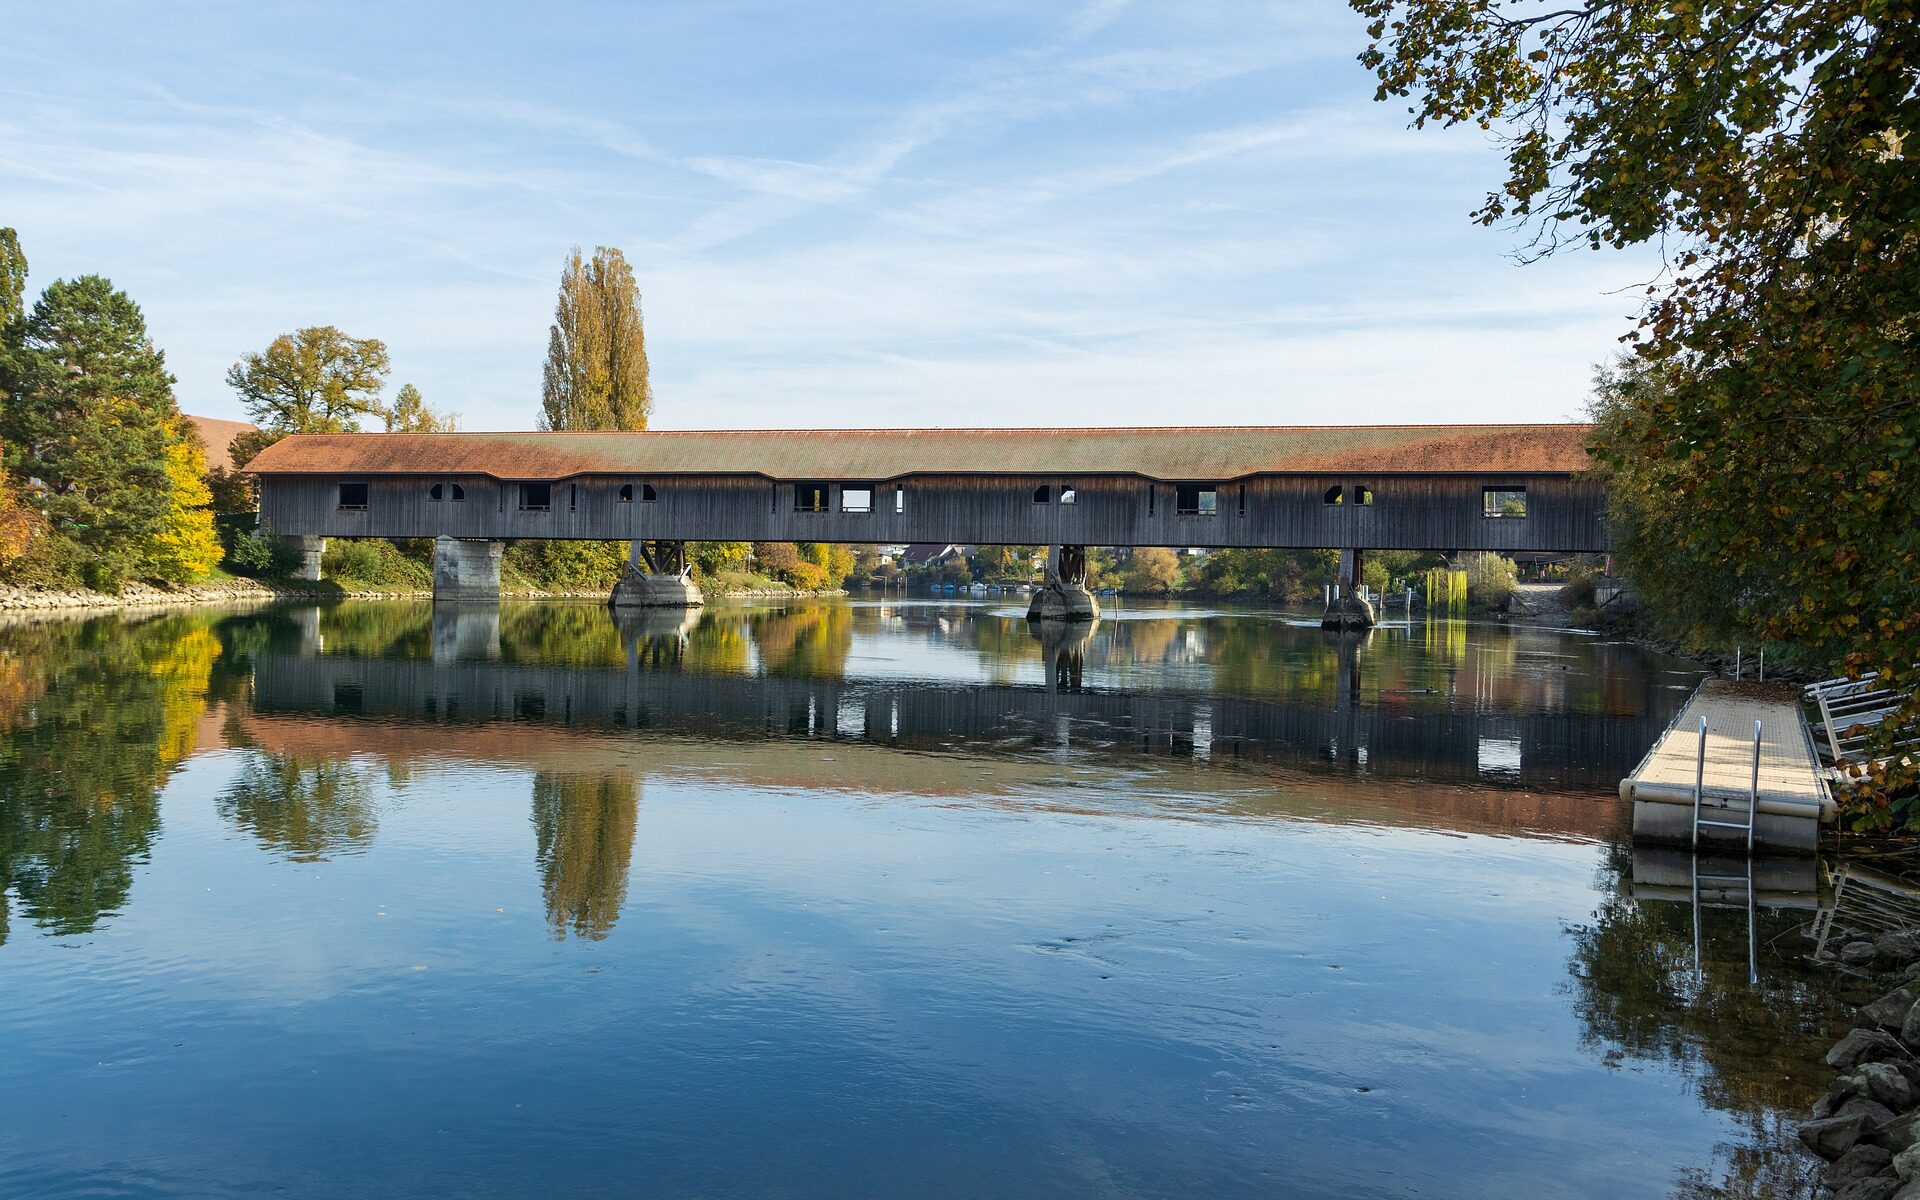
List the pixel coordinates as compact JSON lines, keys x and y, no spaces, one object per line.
{"x":217,"y":436}
{"x":929,"y":554}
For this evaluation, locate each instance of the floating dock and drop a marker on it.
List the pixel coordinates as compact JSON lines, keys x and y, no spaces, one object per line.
{"x":1710,"y":787}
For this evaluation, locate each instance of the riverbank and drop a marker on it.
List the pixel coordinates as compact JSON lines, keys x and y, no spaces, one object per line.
{"x":253,"y":591}
{"x":1867,"y":1127}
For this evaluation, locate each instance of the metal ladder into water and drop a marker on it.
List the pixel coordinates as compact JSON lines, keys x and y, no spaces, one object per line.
{"x":1725,"y":886}
{"x":1753,"y":796}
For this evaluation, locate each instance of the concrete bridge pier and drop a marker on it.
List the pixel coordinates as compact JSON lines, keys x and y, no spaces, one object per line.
{"x":656,"y":576}
{"x":312,"y":550}
{"x":1064,"y":595}
{"x":466,"y":570}
{"x":1346,"y":610}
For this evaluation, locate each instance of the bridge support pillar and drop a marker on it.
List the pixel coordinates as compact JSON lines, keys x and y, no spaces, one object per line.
{"x":466,"y":570}
{"x":1064,"y":595}
{"x":311,"y":549}
{"x":656,"y":576}
{"x":1346,"y":610}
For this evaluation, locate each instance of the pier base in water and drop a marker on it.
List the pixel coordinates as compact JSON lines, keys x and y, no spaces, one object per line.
{"x":656,"y":577}
{"x":1065,"y":595}
{"x":1348,"y":612}
{"x":1346,"y":607}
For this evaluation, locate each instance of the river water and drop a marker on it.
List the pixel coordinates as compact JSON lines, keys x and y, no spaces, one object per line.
{"x":880,"y":899}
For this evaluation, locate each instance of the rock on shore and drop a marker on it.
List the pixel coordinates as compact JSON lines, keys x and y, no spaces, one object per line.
{"x":1867,"y":1126}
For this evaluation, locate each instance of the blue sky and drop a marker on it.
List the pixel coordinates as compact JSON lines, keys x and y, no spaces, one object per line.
{"x":1102,"y":213}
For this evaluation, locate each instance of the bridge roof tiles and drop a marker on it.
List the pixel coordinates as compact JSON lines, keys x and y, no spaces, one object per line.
{"x":1189,"y":453}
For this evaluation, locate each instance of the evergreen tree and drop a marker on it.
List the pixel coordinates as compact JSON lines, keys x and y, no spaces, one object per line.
{"x":90,"y":422}
{"x":410,"y":414}
{"x":313,"y":380}
{"x":596,"y":373}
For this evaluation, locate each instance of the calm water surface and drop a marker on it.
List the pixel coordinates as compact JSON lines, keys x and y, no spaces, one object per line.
{"x":862,"y":899}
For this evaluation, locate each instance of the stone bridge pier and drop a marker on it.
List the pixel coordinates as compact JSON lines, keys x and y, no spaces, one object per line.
{"x":1345,"y":609}
{"x":311,"y":550}
{"x":1064,"y":595}
{"x":656,"y":576}
{"x":466,"y":570}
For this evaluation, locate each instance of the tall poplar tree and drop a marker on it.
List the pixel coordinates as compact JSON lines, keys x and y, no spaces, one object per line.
{"x":17,"y":523}
{"x":13,"y":279}
{"x":90,"y":421}
{"x":596,"y":371}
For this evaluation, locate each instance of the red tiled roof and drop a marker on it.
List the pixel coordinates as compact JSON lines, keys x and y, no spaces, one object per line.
{"x":217,"y":435}
{"x":1168,"y":454}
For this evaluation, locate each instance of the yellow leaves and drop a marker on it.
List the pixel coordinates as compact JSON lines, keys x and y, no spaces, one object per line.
{"x":186,"y":549}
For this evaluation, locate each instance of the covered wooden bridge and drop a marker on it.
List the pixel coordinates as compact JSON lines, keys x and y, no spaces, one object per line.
{"x":1353,"y":488}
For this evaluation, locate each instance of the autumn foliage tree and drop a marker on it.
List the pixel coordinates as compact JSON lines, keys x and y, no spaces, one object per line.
{"x":1776,"y":394}
{"x":596,"y":374}
{"x":313,"y":380}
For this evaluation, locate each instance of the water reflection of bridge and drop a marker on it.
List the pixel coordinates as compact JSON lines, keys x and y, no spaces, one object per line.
{"x":656,"y":690}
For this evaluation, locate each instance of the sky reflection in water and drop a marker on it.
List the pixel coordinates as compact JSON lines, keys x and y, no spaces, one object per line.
{"x":856,"y":899}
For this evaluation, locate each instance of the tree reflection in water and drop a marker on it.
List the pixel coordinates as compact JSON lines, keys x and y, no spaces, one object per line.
{"x":94,"y":717}
{"x":583,"y":828}
{"x":1753,"y":1051}
{"x":306,"y":810}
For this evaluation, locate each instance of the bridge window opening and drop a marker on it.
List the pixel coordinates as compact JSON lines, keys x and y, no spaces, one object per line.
{"x":811,"y":497}
{"x":1195,"y":500}
{"x":1506,"y":502}
{"x":1067,"y":494}
{"x":856,"y":499}
{"x":459,"y":493}
{"x":536,"y":497}
{"x":353,"y":495}
{"x":1362,"y":494}
{"x":573,"y":497}
{"x":437,"y":492}
{"x":1153,"y":495}
{"x":626,"y":493}
{"x":1243,"y":499}
{"x":647,"y":494}
{"x":1043,"y":494}
{"x":899,"y":499}
{"x":1333,"y":495}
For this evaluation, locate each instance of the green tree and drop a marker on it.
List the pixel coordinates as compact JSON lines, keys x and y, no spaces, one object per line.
{"x":596,"y":372}
{"x":1767,"y":150}
{"x":91,"y":421}
{"x":13,"y":279}
{"x":410,"y":414}
{"x":1152,"y":570}
{"x":313,"y":380}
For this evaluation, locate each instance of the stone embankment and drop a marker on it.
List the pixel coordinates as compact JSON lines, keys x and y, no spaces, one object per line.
{"x":242,"y":591}
{"x":140,"y":595}
{"x":1868,"y":1125}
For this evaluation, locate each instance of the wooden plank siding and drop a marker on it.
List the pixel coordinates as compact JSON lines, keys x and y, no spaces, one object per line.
{"x":1409,"y":511}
